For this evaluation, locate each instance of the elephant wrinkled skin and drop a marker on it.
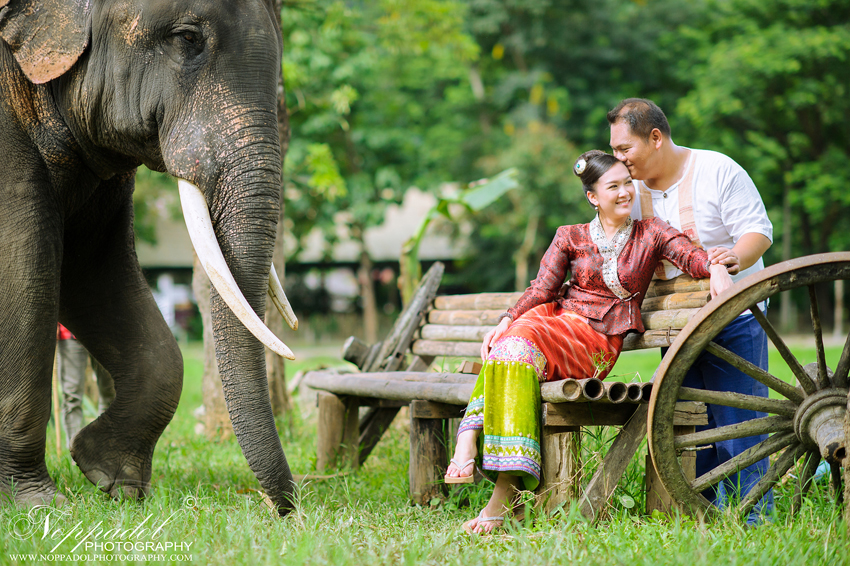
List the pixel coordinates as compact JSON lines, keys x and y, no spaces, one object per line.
{"x":89,"y":90}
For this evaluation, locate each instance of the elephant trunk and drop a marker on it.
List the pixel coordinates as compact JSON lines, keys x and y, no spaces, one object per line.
{"x":244,"y":209}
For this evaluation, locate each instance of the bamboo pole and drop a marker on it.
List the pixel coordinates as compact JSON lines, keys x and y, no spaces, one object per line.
{"x":592,"y":388}
{"x":739,"y":401}
{"x":634,"y":393}
{"x":564,"y":391}
{"x":645,"y":391}
{"x":615,"y":391}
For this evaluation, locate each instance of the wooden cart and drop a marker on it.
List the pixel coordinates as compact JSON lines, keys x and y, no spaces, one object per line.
{"x":805,"y":423}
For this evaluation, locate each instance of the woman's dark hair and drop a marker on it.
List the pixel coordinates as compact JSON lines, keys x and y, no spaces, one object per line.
{"x":591,"y":165}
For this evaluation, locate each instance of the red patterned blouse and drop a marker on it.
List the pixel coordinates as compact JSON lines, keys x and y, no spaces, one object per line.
{"x":596,"y":270}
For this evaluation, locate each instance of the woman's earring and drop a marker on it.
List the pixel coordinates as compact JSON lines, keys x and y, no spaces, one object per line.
{"x":596,"y":208}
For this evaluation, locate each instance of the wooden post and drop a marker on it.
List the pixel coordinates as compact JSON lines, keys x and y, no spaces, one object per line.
{"x":338,"y":432}
{"x":657,"y":497}
{"x":428,"y":455}
{"x":560,"y":450}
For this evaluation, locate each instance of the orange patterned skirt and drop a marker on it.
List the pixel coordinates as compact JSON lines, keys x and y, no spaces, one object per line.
{"x":568,"y":346}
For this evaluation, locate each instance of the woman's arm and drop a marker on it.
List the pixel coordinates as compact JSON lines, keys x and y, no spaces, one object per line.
{"x":550,"y":276}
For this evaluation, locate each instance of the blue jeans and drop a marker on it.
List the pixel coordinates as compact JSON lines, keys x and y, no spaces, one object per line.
{"x":746,"y":338}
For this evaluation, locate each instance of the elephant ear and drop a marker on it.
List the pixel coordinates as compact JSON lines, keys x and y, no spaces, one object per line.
{"x":45,"y":36}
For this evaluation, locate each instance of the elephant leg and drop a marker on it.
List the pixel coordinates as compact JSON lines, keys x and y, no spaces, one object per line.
{"x":30,"y":248}
{"x":107,"y":304}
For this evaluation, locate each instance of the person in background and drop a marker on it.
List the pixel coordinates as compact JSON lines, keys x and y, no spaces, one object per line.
{"x":713,"y":201}
{"x":71,"y":362}
{"x":549,"y":337}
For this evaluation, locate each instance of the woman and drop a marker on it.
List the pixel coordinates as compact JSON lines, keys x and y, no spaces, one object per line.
{"x":548,"y":337}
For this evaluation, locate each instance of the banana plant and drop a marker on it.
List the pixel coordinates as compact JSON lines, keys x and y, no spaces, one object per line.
{"x":476,"y":196}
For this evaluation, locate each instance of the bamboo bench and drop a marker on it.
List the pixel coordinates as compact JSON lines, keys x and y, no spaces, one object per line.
{"x":397,"y":372}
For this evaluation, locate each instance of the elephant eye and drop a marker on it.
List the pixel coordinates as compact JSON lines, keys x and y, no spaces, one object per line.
{"x":189,"y":37}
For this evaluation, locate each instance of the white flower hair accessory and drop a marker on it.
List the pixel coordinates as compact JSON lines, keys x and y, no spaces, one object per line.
{"x":581,"y":165}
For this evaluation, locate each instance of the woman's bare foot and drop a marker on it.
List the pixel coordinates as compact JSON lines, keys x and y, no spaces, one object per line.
{"x":493,"y":514}
{"x":463,"y":465}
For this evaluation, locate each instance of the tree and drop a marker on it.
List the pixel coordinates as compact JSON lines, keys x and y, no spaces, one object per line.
{"x":377,"y":93}
{"x":773,"y":91}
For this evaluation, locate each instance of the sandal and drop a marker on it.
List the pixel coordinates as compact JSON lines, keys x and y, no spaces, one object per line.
{"x":461,"y":479}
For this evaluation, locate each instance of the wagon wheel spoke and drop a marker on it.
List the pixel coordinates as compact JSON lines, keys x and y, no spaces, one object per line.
{"x":754,"y":427}
{"x":773,"y":475}
{"x":739,"y":401}
{"x":823,"y":380}
{"x":746,"y":458}
{"x":772,"y":382}
{"x":802,"y":377}
{"x":843,"y":367}
{"x":810,"y":466}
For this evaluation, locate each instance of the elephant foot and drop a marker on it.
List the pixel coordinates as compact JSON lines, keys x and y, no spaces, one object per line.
{"x":115,"y":464}
{"x":35,"y":492}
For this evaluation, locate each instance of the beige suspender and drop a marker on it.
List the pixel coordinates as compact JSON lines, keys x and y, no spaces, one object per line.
{"x":686,"y":210}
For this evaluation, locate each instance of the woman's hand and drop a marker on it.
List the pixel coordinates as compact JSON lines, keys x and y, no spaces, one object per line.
{"x":493,"y":336}
{"x":720,"y":279}
{"x":726,"y":257}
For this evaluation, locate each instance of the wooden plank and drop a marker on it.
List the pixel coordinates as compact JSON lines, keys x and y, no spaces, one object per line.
{"x":587,"y":414}
{"x":431,"y":410}
{"x":451,"y":349}
{"x":468,"y":366}
{"x":477,"y":302}
{"x":650,"y":339}
{"x":657,"y":498}
{"x":398,"y":341}
{"x":338,"y":433}
{"x":660,"y":320}
{"x":355,"y":351}
{"x":420,"y":363}
{"x":694,"y":300}
{"x":465,"y":317}
{"x":614,"y":463}
{"x":681,"y":284}
{"x":448,"y":333}
{"x":561,"y":460}
{"x":389,"y":386}
{"x":428,"y":460}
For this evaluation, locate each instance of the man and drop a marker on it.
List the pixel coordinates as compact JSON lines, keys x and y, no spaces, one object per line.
{"x":710,"y":198}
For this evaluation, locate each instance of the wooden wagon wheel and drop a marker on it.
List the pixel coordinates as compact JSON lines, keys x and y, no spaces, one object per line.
{"x":806,"y":421}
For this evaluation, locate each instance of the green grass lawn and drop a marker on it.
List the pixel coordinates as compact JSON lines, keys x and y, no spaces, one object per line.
{"x":205,"y":498}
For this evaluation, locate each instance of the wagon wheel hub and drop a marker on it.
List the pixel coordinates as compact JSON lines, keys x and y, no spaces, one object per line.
{"x":819,"y":423}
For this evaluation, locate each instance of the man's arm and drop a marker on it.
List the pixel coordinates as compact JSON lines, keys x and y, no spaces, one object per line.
{"x":746,"y":251}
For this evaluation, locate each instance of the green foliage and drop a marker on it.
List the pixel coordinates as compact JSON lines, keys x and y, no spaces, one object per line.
{"x":155,"y":197}
{"x":771,"y":89}
{"x":476,"y":197}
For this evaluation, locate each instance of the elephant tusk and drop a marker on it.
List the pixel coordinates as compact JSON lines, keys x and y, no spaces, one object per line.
{"x":203,"y":238}
{"x":280,"y":301}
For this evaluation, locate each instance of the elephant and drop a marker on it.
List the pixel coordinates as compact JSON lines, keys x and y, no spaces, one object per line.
{"x":89,"y":91}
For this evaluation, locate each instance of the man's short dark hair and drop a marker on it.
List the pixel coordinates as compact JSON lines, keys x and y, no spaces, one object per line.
{"x":642,"y":116}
